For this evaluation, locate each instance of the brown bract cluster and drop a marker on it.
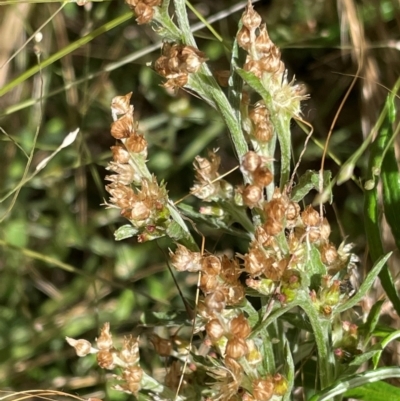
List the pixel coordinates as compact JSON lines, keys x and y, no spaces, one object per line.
{"x":108,"y":357}
{"x":144,"y":9}
{"x":177,"y":62}
{"x":132,"y":188}
{"x":263,"y":129}
{"x":219,"y":277}
{"x":207,"y":186}
{"x":268,"y":260}
{"x":255,"y":168}
{"x":263,"y":56}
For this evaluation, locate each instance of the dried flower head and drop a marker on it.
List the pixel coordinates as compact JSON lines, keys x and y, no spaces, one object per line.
{"x":240,"y":326}
{"x":124,"y":127}
{"x":185,"y":260}
{"x":263,"y":389}
{"x":82,"y":347}
{"x":104,"y":342}
{"x":121,"y":104}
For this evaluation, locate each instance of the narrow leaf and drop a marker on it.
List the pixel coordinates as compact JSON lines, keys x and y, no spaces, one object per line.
{"x":378,"y":391}
{"x":366,"y":285}
{"x":358,"y":380}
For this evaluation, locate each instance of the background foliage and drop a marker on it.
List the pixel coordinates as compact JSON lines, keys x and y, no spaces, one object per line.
{"x":62,"y":273}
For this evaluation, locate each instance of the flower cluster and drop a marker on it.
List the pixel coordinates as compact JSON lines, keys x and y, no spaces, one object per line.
{"x":144,"y":9}
{"x":254,"y":168}
{"x":177,"y":62}
{"x":133,"y":189}
{"x":264,"y":61}
{"x":207,"y":186}
{"x":108,"y":357}
{"x":283,"y":242}
{"x":288,"y":258}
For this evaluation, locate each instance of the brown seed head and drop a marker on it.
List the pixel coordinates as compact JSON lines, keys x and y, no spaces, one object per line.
{"x":240,"y":327}
{"x":259,"y":113}
{"x":208,"y":283}
{"x":234,"y":366}
{"x":263,"y":389}
{"x":140,"y":210}
{"x":124,"y":127}
{"x":125,"y":173}
{"x":230,"y":270}
{"x":82,"y":347}
{"x":177,"y":82}
{"x":271,"y":63}
{"x":130,"y":351}
{"x":329,"y":253}
{"x":132,"y":377}
{"x":264,"y":132}
{"x":185,"y":260}
{"x":263,"y":176}
{"x":234,"y":293}
{"x":310,"y":217}
{"x":105,"y":359}
{"x":273,"y":227}
{"x":325,"y":229}
{"x":236,"y":348}
{"x":243,"y":38}
{"x":214,"y":330}
{"x":256,"y":260}
{"x":104,"y":342}
{"x":215,"y":302}
{"x":253,"y":66}
{"x":121,"y":104}
{"x":251,"y":161}
{"x":192,"y":63}
{"x":211,"y":265}
{"x":121,"y":195}
{"x":250,"y":18}
{"x":144,"y":13}
{"x":293,"y":211}
{"x":207,"y":169}
{"x":263,"y":42}
{"x":136,"y":144}
{"x":252,"y":195}
{"x":120,"y":154}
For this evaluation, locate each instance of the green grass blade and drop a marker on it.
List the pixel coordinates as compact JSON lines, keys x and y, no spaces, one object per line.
{"x":366,"y":285}
{"x":379,"y":391}
{"x":357,"y":380}
{"x":66,"y":50}
{"x":371,"y":211}
{"x":390,"y":174}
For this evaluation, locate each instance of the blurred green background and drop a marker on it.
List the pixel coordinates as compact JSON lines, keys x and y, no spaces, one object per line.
{"x":61,"y":271}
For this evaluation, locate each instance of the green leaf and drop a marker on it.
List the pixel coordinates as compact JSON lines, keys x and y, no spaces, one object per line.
{"x":322,"y":333}
{"x":390,"y":174}
{"x":372,"y":214}
{"x":372,"y":320}
{"x":359,"y":380}
{"x":308,"y":182}
{"x":125,"y":231}
{"x":315,"y":268}
{"x":379,"y":391}
{"x":393,"y":336}
{"x":365,"y":286}
{"x":289,"y":371}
